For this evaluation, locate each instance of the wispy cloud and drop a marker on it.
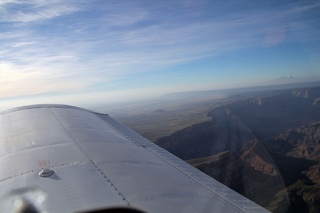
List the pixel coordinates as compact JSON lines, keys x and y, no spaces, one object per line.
{"x":64,"y":46}
{"x":33,"y":10}
{"x":4,"y":2}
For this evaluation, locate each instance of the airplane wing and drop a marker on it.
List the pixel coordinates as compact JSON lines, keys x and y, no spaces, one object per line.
{"x":67,"y":159}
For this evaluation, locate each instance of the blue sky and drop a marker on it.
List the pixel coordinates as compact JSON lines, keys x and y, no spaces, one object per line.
{"x":77,"y":52}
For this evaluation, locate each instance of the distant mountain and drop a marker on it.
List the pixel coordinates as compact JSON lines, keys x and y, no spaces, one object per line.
{"x":265,"y":147}
{"x":224,"y":132}
{"x":287,"y":82}
{"x":236,"y":124}
{"x":290,"y":80}
{"x":271,"y":114}
{"x":214,"y":94}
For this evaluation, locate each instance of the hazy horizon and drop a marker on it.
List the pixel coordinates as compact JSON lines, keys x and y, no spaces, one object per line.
{"x":136,"y":102}
{"x":109,"y":51}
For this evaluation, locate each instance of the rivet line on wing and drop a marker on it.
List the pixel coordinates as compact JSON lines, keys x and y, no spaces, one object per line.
{"x":92,"y":162}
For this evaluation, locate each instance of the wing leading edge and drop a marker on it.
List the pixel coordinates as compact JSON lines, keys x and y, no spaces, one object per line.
{"x":98,"y":163}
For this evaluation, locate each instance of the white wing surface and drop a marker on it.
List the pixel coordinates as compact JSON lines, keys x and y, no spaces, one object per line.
{"x":94,"y":162}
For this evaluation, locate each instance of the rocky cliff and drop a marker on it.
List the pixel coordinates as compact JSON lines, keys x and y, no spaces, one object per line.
{"x":266,"y":148}
{"x":255,"y":156}
{"x":224,"y":132}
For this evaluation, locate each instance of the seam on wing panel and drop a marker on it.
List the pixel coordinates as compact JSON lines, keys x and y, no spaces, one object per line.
{"x":21,"y":133}
{"x":93,"y":163}
{"x":32,"y":148}
{"x":37,"y":169}
{"x":130,"y":163}
{"x":24,"y":119}
{"x":171,"y":197}
{"x":127,"y":131}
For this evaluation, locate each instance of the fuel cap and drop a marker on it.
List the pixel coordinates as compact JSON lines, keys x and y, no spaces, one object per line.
{"x":46,"y":173}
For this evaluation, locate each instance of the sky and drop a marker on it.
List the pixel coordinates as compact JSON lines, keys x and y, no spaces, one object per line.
{"x":99,"y":51}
